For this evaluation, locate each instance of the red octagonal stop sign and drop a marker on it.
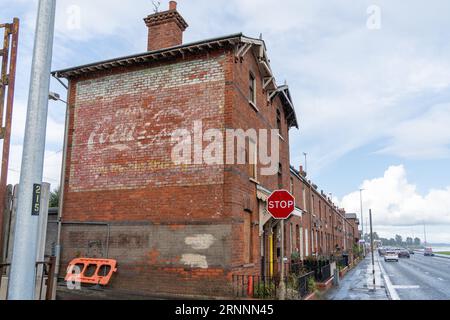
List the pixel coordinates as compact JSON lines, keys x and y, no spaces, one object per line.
{"x":281,"y":204}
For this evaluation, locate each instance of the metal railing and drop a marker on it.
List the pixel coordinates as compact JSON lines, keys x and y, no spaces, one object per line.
{"x":257,"y":287}
{"x":304,"y":284}
{"x":44,"y":273}
{"x":296,"y":287}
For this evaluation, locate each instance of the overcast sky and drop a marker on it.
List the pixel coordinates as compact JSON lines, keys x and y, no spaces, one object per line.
{"x":372,"y":91}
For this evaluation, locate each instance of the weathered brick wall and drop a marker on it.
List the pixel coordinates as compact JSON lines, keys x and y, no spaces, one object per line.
{"x":169,"y":259}
{"x":124,"y":124}
{"x":241,"y":191}
{"x":170,"y":230}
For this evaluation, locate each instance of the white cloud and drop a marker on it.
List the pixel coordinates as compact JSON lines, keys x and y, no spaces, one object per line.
{"x":424,"y":137}
{"x":396,"y":202}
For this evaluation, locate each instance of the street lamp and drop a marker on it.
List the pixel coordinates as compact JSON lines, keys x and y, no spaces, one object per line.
{"x":56,"y":97}
{"x":362,"y":220}
{"x":306,"y":161}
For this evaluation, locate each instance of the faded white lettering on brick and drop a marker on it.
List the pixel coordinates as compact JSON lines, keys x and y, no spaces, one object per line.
{"x":200,"y":241}
{"x":194,"y":261}
{"x":123,"y":125}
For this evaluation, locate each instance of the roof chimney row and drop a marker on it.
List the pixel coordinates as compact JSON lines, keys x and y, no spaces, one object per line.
{"x":165,"y":29}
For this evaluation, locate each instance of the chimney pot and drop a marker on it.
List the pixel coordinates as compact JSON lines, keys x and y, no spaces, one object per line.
{"x":172,"y":5}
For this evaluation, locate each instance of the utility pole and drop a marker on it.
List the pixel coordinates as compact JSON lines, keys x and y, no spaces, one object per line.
{"x":362,"y":220}
{"x":425,"y":232}
{"x":372,"y":249}
{"x":23,"y":273}
{"x":7,"y":86}
{"x":306,"y":161}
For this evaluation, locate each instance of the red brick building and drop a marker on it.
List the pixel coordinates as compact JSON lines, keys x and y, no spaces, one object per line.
{"x":182,"y":228}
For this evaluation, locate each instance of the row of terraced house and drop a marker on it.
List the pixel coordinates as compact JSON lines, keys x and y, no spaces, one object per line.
{"x":186,"y":228}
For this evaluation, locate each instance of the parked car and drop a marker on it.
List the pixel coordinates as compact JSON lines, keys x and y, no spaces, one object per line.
{"x":391,"y":256}
{"x":429,"y":252}
{"x":411,"y":251}
{"x":404,"y":254}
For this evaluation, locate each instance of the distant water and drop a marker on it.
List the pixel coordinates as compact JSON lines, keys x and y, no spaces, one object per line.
{"x":441,"y":249}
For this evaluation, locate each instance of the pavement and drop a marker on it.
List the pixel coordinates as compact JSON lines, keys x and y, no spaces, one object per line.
{"x":358,"y":283}
{"x":419,"y":278}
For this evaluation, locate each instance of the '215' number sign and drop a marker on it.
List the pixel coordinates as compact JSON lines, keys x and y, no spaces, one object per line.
{"x":36,"y":206}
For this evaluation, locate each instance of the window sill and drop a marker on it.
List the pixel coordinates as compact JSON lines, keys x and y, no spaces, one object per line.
{"x":253,"y":105}
{"x":248,"y":266}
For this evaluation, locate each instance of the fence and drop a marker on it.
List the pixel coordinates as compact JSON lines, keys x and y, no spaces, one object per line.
{"x":304,"y":284}
{"x":45,"y":272}
{"x":259,"y":287}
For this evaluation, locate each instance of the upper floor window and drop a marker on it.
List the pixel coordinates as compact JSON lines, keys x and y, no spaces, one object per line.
{"x":279,"y":120}
{"x":253,"y":160}
{"x":252,"y":89}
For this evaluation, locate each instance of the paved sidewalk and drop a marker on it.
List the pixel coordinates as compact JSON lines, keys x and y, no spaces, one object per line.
{"x":358,"y":283}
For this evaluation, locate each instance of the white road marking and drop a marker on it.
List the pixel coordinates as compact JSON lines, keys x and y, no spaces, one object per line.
{"x":387,"y":281}
{"x":406,"y":287}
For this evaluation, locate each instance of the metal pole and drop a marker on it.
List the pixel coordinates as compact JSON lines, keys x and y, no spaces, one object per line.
{"x":26,"y":234}
{"x":282,"y":283}
{"x":306,"y":161}
{"x":425,"y":233}
{"x":362,"y":221}
{"x":61,"y":200}
{"x":7,"y":80}
{"x":373,"y":254}
{"x":42,"y":234}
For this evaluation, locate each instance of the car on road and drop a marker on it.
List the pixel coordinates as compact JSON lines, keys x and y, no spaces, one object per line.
{"x":429,"y":252}
{"x":381,"y":252}
{"x":411,"y":251}
{"x":404,"y":254}
{"x":391,"y":256}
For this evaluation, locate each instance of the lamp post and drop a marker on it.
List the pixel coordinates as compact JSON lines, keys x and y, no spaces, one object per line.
{"x":362,"y":220}
{"x":56,"y":97}
{"x":372,"y":249}
{"x":23,"y":273}
{"x":306,"y":161}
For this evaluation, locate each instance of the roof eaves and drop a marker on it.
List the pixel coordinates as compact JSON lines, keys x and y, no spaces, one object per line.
{"x":143,"y":57}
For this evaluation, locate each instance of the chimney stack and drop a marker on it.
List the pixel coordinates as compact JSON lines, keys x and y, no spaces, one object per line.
{"x":165,"y":29}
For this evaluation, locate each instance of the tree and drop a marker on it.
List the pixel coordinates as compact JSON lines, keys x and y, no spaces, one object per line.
{"x":398,"y":240}
{"x":54,"y":198}
{"x":417,"y":242}
{"x":409,"y":241}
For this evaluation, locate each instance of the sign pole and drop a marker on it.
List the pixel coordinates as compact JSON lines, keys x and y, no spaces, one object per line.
{"x":23,"y":266}
{"x":373,"y":254}
{"x":281,"y":205}
{"x":282,"y":282}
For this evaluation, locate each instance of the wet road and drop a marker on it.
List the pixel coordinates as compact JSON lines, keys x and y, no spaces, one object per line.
{"x":420,"y":278}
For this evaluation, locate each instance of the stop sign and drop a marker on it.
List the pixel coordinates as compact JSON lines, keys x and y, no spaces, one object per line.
{"x":281,"y":204}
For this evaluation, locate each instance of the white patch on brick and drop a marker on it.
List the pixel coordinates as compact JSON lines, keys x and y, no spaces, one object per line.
{"x":200,"y":241}
{"x":195,"y":261}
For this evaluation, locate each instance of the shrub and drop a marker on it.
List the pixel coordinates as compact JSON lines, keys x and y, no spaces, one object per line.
{"x":312,"y":286}
{"x":265,"y":290}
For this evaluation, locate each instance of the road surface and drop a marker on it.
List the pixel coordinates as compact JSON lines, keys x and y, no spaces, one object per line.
{"x":419,"y":278}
